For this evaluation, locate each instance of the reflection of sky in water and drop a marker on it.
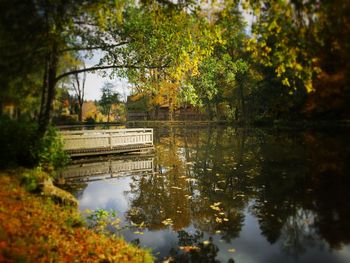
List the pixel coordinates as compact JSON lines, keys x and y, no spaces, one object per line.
{"x":106,"y":194}
{"x":110,"y":194}
{"x":250,"y":246}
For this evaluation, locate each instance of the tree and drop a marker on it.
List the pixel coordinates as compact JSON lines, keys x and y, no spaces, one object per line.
{"x":79,"y":89}
{"x":219,"y":84}
{"x":108,"y":99}
{"x":48,"y":31}
{"x":127,"y":34}
{"x":303,"y":47}
{"x":173,"y":37}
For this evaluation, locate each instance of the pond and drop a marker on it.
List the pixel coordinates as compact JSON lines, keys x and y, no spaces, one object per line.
{"x":221,"y":194}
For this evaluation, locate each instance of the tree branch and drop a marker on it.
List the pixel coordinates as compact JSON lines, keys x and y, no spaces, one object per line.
{"x":77,"y":71}
{"x":94,"y":47}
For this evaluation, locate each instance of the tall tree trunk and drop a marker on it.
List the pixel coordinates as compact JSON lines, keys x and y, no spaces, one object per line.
{"x":1,"y":108}
{"x":80,"y":116}
{"x":156,"y":117}
{"x":48,"y":92}
{"x":243,"y":110}
{"x":171,"y":110}
{"x":108,"y":116}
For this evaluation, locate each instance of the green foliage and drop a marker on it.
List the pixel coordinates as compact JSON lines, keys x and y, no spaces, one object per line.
{"x":218,"y":86}
{"x":100,"y":219}
{"x":90,"y":120}
{"x":21,"y":146}
{"x":108,"y":99}
{"x":173,"y":42}
{"x":50,"y":153}
{"x":279,"y":42}
{"x":30,"y":179}
{"x":178,"y":53}
{"x":75,"y":220}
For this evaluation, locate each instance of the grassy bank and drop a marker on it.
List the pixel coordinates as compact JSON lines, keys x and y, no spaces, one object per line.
{"x":35,"y":229}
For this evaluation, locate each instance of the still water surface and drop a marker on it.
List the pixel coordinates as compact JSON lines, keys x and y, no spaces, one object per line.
{"x":217,"y":194}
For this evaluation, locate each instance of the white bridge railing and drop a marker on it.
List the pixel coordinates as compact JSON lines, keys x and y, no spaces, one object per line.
{"x":106,"y":169}
{"x":109,"y":139}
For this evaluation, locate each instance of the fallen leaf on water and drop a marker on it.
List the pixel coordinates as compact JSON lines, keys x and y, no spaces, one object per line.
{"x":189,"y":248}
{"x":218,"y":219}
{"x":191,"y":180}
{"x":167,"y":222}
{"x":168,"y":260}
{"x":215,"y":208}
{"x":232,"y":250}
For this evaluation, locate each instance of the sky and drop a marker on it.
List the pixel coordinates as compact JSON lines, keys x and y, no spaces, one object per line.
{"x":95,"y":81}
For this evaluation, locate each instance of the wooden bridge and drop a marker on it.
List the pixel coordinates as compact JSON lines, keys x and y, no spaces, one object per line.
{"x":97,"y":142}
{"x":106,"y":169}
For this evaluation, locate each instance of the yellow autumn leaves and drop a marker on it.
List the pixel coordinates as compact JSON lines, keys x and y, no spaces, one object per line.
{"x":220,"y":216}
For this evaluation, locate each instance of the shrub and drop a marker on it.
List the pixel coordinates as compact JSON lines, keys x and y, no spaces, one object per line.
{"x":18,"y":143}
{"x":50,"y":153}
{"x":32,"y":178}
{"x":90,"y":120}
{"x":20,"y":146}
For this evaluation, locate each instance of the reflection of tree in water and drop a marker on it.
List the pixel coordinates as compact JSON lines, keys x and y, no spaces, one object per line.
{"x":224,"y":171}
{"x":154,"y":200}
{"x":162,"y":195}
{"x":332,"y":199}
{"x":302,"y":192}
{"x":296,"y":200}
{"x":185,"y":192}
{"x":298,"y":233}
{"x":192,"y":249}
{"x":330,"y":170}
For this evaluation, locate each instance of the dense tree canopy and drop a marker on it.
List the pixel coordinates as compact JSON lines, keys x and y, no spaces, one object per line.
{"x":292,"y":63}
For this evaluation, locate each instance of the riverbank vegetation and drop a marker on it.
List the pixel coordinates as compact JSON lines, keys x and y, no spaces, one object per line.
{"x":35,"y":229}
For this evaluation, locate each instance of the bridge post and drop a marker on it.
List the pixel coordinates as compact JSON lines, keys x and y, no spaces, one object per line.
{"x":110,"y":141}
